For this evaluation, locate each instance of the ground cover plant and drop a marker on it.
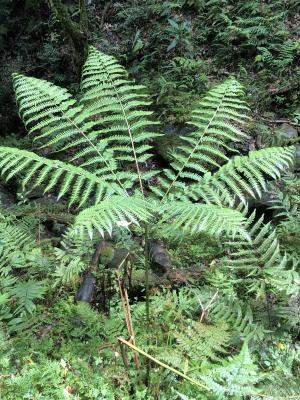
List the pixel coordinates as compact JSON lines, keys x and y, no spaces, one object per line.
{"x":224,"y":324}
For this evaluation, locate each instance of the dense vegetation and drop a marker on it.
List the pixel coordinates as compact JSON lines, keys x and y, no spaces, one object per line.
{"x":149,"y":220}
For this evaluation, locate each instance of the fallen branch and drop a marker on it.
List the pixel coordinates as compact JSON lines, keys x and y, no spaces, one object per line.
{"x":193,"y":381}
{"x":175,"y":371}
{"x":280,"y":121}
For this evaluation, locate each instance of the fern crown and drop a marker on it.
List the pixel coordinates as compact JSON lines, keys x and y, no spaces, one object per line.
{"x":106,"y":137}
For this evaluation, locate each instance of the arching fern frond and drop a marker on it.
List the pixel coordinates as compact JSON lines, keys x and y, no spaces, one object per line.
{"x":53,"y":115}
{"x":76,"y":181}
{"x":116,"y":107}
{"x":242,"y":177}
{"x":112,"y":212}
{"x":196,"y":218}
{"x":48,"y":111}
{"x":214,"y":121}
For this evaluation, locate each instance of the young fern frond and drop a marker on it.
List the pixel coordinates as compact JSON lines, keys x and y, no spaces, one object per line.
{"x":26,"y":292}
{"x":12,"y":236}
{"x":80,"y":183}
{"x":235,"y":378}
{"x":213,"y":120}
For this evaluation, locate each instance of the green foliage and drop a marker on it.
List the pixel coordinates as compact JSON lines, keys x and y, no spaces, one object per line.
{"x":235,"y":378}
{"x":109,"y":103}
{"x":17,"y":252}
{"x":216,"y":332}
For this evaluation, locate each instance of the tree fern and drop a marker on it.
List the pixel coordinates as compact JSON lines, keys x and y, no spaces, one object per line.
{"x":107,"y":132}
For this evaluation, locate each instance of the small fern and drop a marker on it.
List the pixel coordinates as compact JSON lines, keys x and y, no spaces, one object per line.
{"x":236,"y":377}
{"x":25,"y":293}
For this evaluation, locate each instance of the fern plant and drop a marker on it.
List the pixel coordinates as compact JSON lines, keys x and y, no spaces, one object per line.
{"x":17,"y":252}
{"x":236,"y":376}
{"x":106,"y":138}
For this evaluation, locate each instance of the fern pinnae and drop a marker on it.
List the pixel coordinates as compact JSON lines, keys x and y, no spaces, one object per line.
{"x":46,"y":101}
{"x":207,"y":143}
{"x":193,"y":151}
{"x":51,"y":169}
{"x":116,"y":102}
{"x":104,"y":160}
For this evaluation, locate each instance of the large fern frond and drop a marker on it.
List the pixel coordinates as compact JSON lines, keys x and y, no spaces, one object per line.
{"x":196,"y":218}
{"x":57,"y":120}
{"x":214,"y":121}
{"x":48,"y":111}
{"x":79,"y":183}
{"x":242,"y":177}
{"x":115,"y":108}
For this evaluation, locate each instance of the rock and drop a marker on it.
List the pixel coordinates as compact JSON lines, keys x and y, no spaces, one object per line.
{"x":107,"y":253}
{"x":118,"y":258}
{"x":287,"y":132}
{"x":6,"y":198}
{"x":160,"y":259}
{"x":110,"y":256}
{"x":87,"y":288}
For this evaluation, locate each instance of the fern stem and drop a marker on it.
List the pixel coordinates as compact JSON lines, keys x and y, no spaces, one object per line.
{"x":97,"y":151}
{"x":147,"y":267}
{"x":195,"y":148}
{"x":131,"y":140}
